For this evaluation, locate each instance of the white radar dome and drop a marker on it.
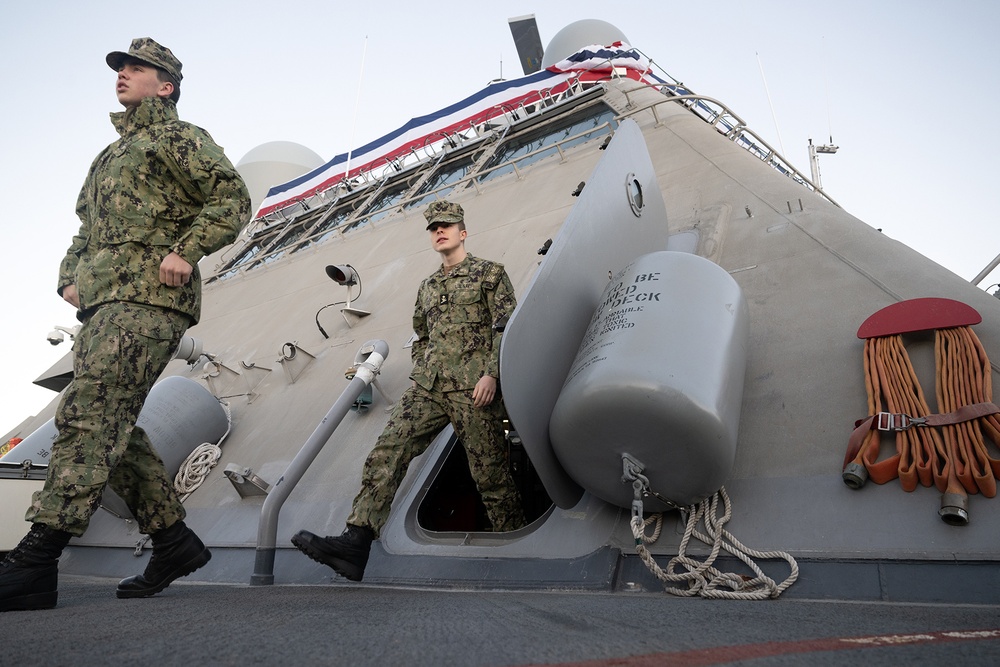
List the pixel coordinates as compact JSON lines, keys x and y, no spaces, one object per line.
{"x":578,"y":34}
{"x":274,"y":163}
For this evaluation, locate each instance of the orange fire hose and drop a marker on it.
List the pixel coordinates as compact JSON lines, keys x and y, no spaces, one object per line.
{"x":956,"y":460}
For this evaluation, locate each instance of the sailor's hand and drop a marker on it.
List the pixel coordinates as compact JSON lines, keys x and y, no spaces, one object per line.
{"x":485,"y":391}
{"x":175,"y":271}
{"x":70,"y":296}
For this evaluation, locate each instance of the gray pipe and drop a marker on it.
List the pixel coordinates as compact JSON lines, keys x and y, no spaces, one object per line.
{"x":368,"y":362}
{"x":985,"y":272}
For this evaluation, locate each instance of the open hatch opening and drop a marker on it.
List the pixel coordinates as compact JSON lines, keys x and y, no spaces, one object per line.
{"x":452,"y":503}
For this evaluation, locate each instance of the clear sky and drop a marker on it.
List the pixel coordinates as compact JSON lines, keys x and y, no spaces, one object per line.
{"x":909,"y":90}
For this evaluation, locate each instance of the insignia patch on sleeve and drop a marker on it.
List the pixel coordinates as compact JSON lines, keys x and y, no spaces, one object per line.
{"x":493,"y":276}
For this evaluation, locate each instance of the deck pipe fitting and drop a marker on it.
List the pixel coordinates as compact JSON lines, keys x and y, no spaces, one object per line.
{"x":368,"y":364}
{"x":954,"y":509}
{"x":855,"y":475}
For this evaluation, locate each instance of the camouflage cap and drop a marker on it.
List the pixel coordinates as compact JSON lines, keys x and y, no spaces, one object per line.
{"x":443,"y":211}
{"x":148,"y":51}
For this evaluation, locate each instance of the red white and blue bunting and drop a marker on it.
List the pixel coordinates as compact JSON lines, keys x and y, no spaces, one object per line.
{"x":589,"y":64}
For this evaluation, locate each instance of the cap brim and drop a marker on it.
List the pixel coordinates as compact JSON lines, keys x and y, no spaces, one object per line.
{"x":441,"y":222}
{"x":115,"y":59}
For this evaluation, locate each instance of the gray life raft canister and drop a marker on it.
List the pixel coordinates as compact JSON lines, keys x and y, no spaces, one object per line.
{"x":659,"y":377}
{"x":179,"y":415}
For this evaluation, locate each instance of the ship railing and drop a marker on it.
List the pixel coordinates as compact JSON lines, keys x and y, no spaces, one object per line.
{"x":375,"y":175}
{"x":725,"y":121}
{"x":225,"y":266}
{"x":477,"y":128}
{"x":229,"y":253}
{"x":352,"y":222}
{"x":473,"y":178}
{"x":477,"y":178}
{"x":486,"y":132}
{"x":277,"y":219}
{"x":480,"y":128}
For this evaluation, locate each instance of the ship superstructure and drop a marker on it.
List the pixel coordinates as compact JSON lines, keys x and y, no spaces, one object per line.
{"x":599,"y":145}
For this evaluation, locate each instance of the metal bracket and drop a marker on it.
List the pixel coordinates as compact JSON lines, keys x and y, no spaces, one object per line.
{"x":888,"y":421}
{"x":247,"y":482}
{"x":294,"y":360}
{"x":225,"y":382}
{"x":632,"y":470}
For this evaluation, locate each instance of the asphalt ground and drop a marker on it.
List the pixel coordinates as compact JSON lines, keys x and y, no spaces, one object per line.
{"x":336,"y":624}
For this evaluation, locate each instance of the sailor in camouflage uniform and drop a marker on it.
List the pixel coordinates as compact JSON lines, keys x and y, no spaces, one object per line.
{"x":155,"y":202}
{"x":455,"y":369}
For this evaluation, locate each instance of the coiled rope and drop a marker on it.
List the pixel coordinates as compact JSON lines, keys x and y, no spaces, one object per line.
{"x":702,"y":578}
{"x":200,"y":461}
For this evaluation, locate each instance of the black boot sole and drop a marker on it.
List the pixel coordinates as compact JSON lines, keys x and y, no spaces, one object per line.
{"x":178,"y":572}
{"x":342,"y":567}
{"x":31,"y":602}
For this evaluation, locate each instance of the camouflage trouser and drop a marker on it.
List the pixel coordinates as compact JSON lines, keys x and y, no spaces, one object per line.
{"x":416,"y":420}
{"x":119,"y":353}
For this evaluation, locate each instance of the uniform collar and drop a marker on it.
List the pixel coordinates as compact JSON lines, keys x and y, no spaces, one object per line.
{"x":460,"y":269}
{"x":151,"y":110}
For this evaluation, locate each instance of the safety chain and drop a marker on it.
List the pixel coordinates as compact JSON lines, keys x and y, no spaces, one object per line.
{"x":632,"y":472}
{"x":702,"y":578}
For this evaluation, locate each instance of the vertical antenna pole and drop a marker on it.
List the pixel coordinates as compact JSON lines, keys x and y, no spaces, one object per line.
{"x":357,"y":107}
{"x":768,"y":92}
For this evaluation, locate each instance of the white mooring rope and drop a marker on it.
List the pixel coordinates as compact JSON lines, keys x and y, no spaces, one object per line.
{"x":200,"y":462}
{"x":702,"y":578}
{"x":195,"y":468}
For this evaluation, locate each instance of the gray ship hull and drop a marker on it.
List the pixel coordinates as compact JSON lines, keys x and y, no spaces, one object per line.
{"x":810,"y":274}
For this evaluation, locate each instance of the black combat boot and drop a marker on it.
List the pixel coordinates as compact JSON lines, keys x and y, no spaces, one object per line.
{"x":347,"y":554}
{"x":29,"y":576}
{"x":177,"y":552}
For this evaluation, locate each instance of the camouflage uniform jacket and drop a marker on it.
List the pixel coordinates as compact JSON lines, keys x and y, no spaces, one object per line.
{"x":456,"y":344}
{"x":164,"y":186}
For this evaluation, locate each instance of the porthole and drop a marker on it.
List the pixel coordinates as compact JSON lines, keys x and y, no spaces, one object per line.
{"x":633,"y":190}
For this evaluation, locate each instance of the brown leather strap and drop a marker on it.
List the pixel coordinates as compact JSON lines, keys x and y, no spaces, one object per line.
{"x":894,"y":422}
{"x":963,"y":414}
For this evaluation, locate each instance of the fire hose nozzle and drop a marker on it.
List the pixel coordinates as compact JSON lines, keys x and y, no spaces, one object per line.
{"x":855,"y":475}
{"x":954,"y":509}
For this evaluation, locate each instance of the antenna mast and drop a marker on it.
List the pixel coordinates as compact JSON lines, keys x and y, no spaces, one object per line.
{"x":829,"y":148}
{"x":770,"y":104}
{"x":357,"y":107}
{"x":814,"y":150}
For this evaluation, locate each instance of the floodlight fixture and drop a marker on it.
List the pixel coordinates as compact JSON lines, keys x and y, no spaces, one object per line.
{"x":346,"y":275}
{"x":342,"y":275}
